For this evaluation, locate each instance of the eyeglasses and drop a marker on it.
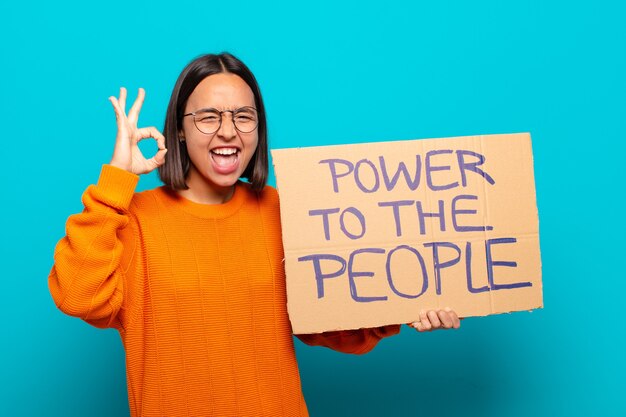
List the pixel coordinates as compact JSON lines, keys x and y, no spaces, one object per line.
{"x":209,"y":120}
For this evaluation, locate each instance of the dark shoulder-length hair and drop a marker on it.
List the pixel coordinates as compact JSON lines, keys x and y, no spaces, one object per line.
{"x":177,"y":162}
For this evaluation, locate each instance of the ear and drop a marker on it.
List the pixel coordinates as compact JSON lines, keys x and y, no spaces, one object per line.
{"x":181,"y":136}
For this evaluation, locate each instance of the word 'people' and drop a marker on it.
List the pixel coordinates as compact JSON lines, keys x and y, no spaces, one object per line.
{"x":330,"y":266}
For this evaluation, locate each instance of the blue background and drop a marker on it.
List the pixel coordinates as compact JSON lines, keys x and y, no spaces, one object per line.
{"x":336,"y":72}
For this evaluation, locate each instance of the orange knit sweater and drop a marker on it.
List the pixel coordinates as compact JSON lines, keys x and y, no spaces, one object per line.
{"x":197,"y":293}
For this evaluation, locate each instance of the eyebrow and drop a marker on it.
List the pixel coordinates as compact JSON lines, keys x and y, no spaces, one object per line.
{"x":249,"y":109}
{"x":206,"y":109}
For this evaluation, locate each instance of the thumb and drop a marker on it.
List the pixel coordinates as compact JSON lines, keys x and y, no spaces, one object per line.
{"x":159,"y":157}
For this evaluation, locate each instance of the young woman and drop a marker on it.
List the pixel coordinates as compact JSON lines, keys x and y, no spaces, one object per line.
{"x":191,"y":273}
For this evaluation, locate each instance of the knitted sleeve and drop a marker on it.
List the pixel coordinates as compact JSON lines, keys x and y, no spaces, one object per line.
{"x":87,"y":279}
{"x":358,"y":341}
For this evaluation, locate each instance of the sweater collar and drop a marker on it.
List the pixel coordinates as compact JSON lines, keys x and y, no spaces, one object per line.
{"x":206,"y":211}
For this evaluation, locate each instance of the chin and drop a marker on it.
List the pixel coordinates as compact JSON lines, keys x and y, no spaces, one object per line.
{"x":224,"y":182}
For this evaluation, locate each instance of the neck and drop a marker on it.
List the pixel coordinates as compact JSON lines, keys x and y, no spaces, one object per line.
{"x":201,"y":192}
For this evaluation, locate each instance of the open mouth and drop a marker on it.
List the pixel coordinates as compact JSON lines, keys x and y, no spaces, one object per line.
{"x":225,"y":159}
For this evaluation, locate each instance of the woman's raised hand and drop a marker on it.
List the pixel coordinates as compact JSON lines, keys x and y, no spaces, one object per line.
{"x":127,"y":154}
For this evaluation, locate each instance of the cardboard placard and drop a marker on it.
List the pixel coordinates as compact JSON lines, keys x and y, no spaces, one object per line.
{"x":375,"y":232}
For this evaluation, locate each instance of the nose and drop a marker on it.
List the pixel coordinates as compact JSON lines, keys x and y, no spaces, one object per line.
{"x":227,"y":127}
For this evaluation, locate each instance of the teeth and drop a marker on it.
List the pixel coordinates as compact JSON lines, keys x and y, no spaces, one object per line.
{"x":225,"y":151}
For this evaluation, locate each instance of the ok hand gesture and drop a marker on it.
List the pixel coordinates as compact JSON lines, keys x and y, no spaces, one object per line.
{"x":127,"y":154}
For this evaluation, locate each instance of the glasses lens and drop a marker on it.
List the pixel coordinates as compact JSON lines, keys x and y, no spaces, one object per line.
{"x":207,"y":121}
{"x":245,"y":119}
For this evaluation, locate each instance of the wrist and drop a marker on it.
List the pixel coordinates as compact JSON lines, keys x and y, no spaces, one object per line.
{"x":117,"y":164}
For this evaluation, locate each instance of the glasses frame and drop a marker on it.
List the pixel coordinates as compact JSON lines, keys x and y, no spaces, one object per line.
{"x":220,"y":112}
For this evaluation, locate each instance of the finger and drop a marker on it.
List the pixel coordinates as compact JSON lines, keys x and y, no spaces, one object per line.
{"x":456,"y":322}
{"x":425,"y":321}
{"x":119,"y":113}
{"x":159,"y":157}
{"x":434,"y":319}
{"x":151,"y":132}
{"x":122,"y":100}
{"x":133,"y":114}
{"x":445,"y":318}
{"x":116,"y":106}
{"x":159,"y":138}
{"x":419,"y":326}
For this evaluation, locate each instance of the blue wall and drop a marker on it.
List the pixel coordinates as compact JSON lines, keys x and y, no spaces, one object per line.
{"x":357,"y":71}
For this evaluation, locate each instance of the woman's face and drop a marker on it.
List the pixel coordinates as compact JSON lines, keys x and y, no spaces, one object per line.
{"x":218,"y":159}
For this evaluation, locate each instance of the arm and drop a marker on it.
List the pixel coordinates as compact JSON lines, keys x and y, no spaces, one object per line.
{"x":363,"y":340}
{"x":87,"y":279}
{"x":357,"y":342}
